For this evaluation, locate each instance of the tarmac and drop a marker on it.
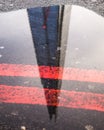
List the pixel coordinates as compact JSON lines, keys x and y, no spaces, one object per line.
{"x":22,"y":94}
{"x":95,"y":5}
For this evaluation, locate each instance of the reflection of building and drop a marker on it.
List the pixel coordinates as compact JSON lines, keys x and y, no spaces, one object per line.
{"x":65,"y":13}
{"x":46,"y":26}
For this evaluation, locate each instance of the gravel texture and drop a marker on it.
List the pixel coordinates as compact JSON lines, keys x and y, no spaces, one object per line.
{"x":9,"y":5}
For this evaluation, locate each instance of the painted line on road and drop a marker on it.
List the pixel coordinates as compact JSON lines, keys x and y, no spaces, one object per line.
{"x":35,"y":71}
{"x":62,"y":98}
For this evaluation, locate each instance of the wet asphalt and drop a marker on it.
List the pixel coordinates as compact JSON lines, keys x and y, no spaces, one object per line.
{"x":84,"y":50}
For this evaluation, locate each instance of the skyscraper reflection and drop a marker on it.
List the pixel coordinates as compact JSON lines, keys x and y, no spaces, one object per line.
{"x":46,"y":27}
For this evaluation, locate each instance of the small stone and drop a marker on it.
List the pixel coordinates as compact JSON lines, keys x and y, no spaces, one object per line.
{"x":14,"y":113}
{"x":23,"y":128}
{"x":89,"y":127}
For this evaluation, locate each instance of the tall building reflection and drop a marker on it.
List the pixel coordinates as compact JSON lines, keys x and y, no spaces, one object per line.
{"x":46,"y":26}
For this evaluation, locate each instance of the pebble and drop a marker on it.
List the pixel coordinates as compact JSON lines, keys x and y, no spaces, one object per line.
{"x":23,"y":128}
{"x":89,"y":127}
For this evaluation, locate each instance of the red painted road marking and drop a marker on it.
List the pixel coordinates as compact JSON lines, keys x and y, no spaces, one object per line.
{"x":68,"y":99}
{"x":52,"y":73}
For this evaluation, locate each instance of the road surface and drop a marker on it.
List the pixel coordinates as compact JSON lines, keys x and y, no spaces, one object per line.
{"x":24,"y":98}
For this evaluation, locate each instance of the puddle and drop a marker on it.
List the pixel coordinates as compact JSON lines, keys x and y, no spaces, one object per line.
{"x":50,"y":59}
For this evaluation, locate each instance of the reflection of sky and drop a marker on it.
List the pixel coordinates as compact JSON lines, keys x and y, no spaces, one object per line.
{"x":85,"y":45}
{"x":86,"y":39}
{"x":16,"y":37}
{"x":14,"y":22}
